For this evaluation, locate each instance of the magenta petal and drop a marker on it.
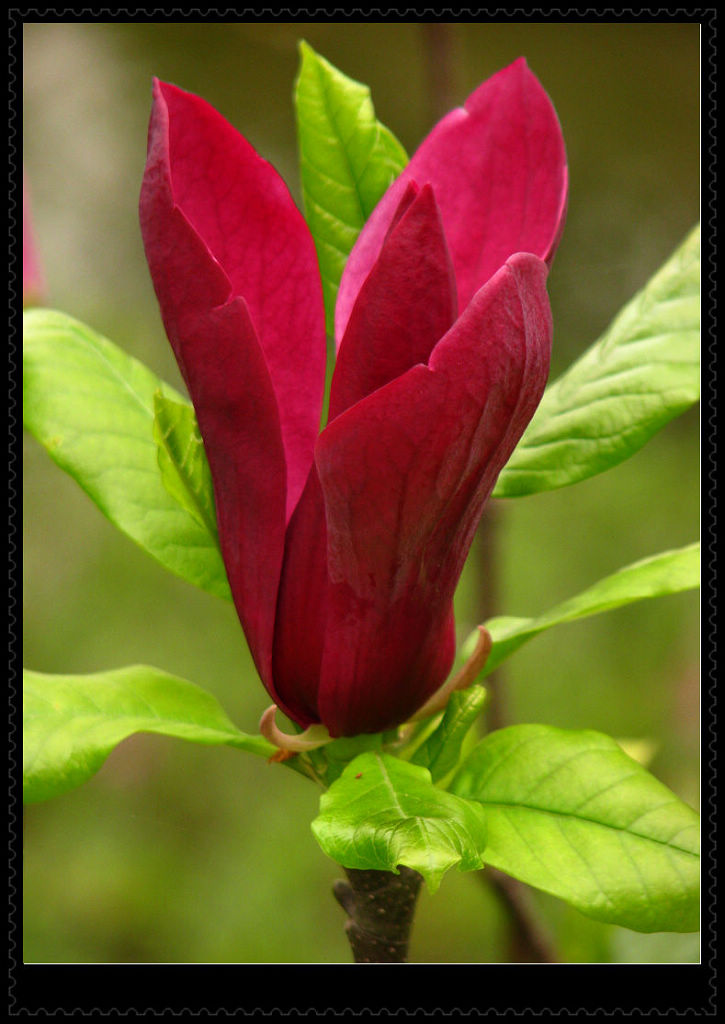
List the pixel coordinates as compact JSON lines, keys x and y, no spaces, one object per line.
{"x":237,"y":413}
{"x":226,"y":371}
{"x":405,"y":475}
{"x":405,"y":306}
{"x":243,"y":212}
{"x":301,"y":608}
{"x":498,"y":169}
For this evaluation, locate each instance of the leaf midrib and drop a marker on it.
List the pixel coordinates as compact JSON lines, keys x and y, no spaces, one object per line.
{"x":340,"y":143}
{"x":188,"y":485}
{"x":506,"y":805}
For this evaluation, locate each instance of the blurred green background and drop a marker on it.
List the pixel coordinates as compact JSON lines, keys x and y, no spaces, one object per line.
{"x":177,"y":853}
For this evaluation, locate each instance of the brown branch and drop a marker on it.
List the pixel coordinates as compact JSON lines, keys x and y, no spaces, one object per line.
{"x":380,"y":908}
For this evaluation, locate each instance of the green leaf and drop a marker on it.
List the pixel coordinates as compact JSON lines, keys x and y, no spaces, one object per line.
{"x":666,"y":573}
{"x":182,"y":460}
{"x":383,"y":812}
{"x":91,"y":406}
{"x":330,"y":760}
{"x":348,"y":159}
{"x":440,"y":751}
{"x":71,"y":723}
{"x":641,"y":373}
{"x":572,"y":814}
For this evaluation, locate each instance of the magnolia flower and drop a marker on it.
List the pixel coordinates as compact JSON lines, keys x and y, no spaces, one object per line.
{"x":343,"y":547}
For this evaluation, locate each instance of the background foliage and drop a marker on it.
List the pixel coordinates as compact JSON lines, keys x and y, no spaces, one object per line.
{"x":182,"y":853}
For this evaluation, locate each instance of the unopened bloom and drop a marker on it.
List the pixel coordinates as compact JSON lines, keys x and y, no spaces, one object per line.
{"x":343,"y":547}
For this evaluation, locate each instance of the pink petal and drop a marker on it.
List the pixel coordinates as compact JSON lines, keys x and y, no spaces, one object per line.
{"x":405,"y":475}
{"x":498,"y":169}
{"x":243,"y":212}
{"x":33,"y":280}
{"x":229,"y":382}
{"x":405,"y":306}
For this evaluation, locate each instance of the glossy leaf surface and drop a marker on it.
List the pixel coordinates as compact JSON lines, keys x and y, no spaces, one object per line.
{"x":570,"y":813}
{"x":383,"y":812}
{"x":643,"y":371}
{"x":71,"y":723}
{"x":440,"y":751}
{"x":91,"y":406}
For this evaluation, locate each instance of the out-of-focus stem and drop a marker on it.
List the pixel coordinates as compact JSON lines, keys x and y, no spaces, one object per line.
{"x":380,"y":908}
{"x":529,"y":942}
{"x":487,"y":562}
{"x":438,"y":43}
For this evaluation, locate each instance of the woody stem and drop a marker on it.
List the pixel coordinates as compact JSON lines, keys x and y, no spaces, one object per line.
{"x":380,"y":908}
